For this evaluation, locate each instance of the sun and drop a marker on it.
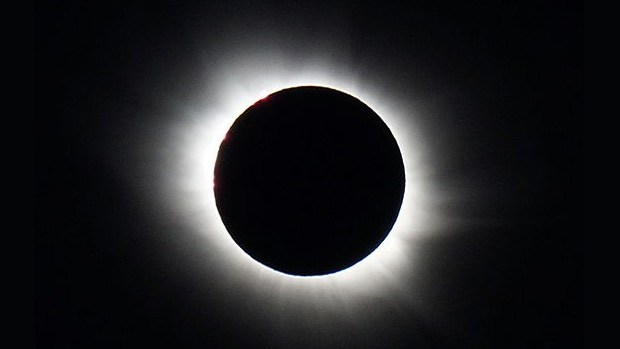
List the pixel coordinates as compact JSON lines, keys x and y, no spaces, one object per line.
{"x":189,"y":182}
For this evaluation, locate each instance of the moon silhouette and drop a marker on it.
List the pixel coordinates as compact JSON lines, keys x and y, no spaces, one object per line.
{"x":309,"y":181}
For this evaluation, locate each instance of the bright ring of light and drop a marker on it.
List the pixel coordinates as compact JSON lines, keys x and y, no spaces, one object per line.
{"x":189,"y":181}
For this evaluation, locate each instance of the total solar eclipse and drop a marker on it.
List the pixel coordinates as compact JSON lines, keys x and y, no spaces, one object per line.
{"x":309,"y":181}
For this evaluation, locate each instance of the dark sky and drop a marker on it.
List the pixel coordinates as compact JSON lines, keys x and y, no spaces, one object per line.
{"x":498,"y":95}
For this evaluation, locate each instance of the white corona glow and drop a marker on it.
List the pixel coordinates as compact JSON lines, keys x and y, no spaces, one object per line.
{"x":189,"y":181}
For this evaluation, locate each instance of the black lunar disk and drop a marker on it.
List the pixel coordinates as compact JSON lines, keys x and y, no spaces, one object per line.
{"x":309,"y":181}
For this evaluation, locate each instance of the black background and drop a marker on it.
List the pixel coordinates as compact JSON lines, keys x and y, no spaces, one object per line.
{"x":501,"y":92}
